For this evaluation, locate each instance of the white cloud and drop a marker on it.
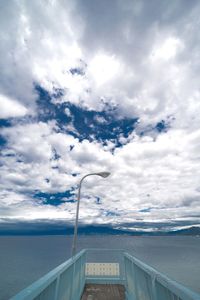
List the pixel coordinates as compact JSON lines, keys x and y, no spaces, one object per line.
{"x":103,"y":68}
{"x":11,"y":108}
{"x":67,"y":112}
{"x":168,"y":49}
{"x":119,"y":68}
{"x":162,"y":175}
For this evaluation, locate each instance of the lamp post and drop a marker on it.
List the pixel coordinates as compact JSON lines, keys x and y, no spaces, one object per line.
{"x":102,"y":174}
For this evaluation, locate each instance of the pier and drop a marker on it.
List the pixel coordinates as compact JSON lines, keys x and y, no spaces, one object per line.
{"x":108,"y":274}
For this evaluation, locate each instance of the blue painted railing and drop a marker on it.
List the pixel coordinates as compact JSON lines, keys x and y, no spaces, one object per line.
{"x":145,"y":283}
{"x":66,"y":282}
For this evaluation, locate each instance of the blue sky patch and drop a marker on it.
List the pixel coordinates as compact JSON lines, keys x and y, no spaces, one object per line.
{"x":162,"y":126}
{"x":77,"y":71}
{"x":5,"y":123}
{"x":110,"y":213}
{"x":2,"y":141}
{"x":145,"y":210}
{"x":47,"y":110}
{"x":88,"y":124}
{"x":55,"y":199}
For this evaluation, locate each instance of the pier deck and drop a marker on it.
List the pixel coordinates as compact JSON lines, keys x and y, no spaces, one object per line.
{"x":103,"y":292}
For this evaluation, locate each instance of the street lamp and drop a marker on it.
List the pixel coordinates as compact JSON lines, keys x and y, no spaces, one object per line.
{"x":102,"y":174}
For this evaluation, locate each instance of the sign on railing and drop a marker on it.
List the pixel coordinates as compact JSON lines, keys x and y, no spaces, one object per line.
{"x":102,"y":269}
{"x":104,"y":266}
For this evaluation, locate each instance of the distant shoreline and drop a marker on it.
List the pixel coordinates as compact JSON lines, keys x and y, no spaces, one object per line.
{"x":100,"y":230}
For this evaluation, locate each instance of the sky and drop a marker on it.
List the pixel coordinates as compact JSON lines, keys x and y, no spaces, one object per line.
{"x":92,"y":86}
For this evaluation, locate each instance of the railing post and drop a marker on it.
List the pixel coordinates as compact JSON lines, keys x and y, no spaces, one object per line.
{"x":153,"y":282}
{"x":121,"y":266}
{"x":57,"y":288}
{"x":134,"y":274}
{"x":82,"y":274}
{"x":125,"y":275}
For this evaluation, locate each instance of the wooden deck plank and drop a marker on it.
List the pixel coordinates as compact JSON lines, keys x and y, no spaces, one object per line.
{"x":103,"y":292}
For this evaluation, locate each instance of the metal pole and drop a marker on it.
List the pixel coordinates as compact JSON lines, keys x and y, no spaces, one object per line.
{"x":102,"y":174}
{"x":77,"y":214}
{"x":76,"y":222}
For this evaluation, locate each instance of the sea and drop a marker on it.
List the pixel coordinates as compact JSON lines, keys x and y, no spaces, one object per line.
{"x":24,"y":259}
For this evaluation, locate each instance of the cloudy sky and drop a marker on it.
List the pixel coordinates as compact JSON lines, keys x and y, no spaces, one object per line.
{"x":90,"y":86}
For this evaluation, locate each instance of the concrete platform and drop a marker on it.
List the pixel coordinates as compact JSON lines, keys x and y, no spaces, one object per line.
{"x":103,"y":292}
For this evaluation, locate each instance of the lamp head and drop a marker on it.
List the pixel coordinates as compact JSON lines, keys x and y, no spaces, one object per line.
{"x":103,"y":174}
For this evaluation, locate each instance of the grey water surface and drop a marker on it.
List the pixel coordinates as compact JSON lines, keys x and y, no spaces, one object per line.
{"x":24,"y":259}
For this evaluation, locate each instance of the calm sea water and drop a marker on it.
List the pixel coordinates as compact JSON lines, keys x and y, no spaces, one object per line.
{"x":25,"y":259}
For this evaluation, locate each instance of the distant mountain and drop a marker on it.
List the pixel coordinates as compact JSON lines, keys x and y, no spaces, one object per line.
{"x":194,"y":230}
{"x":91,"y":230}
{"x":53,"y":229}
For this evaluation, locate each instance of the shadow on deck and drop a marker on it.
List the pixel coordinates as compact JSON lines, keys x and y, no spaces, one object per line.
{"x":103,"y":292}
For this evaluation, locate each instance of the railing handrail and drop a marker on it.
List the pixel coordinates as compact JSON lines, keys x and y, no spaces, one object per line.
{"x":104,"y":249}
{"x":39,"y":285}
{"x":178,"y":289}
